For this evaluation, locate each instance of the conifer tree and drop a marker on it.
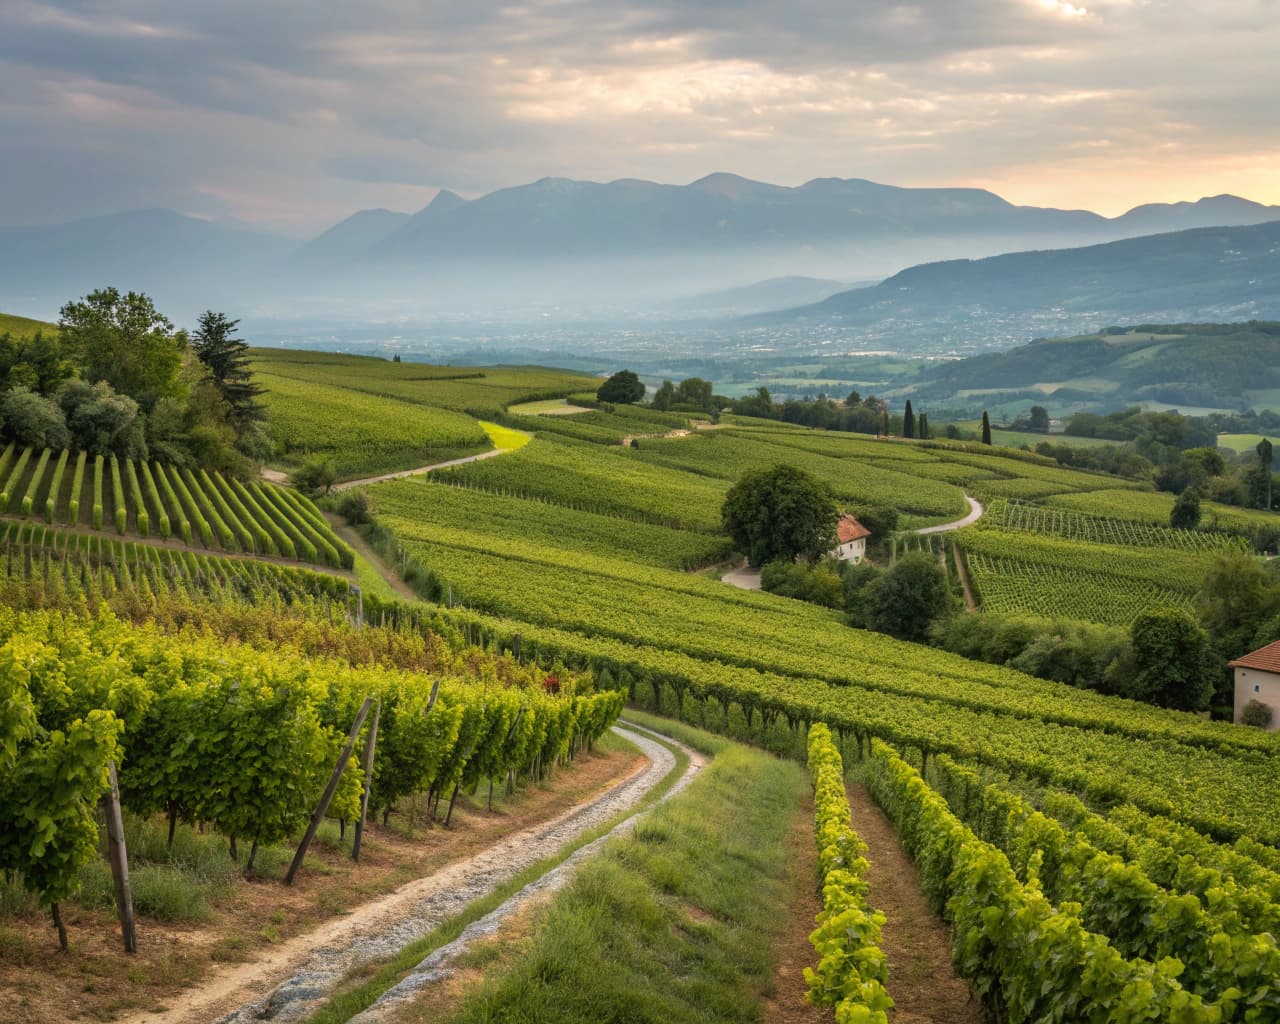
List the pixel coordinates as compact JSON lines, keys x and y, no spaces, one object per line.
{"x":986,"y":428}
{"x":908,"y":421}
{"x":227,"y":359}
{"x":1264,"y":464}
{"x":924,"y":427}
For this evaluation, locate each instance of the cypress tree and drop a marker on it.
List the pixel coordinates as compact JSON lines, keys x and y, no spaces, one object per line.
{"x":924,"y":427}
{"x":1264,"y":462}
{"x":908,"y":421}
{"x":986,"y":428}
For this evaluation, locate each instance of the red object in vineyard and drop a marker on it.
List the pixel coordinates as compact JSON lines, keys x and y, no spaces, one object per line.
{"x":551,"y":684}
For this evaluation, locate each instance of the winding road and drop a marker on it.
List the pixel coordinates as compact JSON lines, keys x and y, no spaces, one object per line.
{"x":975,"y":513}
{"x":746,"y":578}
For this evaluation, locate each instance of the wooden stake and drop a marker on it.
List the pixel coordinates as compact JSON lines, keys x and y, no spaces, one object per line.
{"x":327,"y":797}
{"x":371,"y":741}
{"x":62,"y":929}
{"x":118,"y":857}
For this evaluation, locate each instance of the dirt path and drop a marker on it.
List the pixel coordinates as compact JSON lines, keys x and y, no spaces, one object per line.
{"x":794,"y":951}
{"x":975,"y":513}
{"x":365,"y":551}
{"x":288,"y":981}
{"x":916,"y":942}
{"x":346,"y":485}
{"x":439,"y":965}
{"x":743,"y":577}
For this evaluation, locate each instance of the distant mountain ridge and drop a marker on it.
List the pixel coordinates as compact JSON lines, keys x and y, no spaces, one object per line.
{"x":560,"y":244}
{"x":1233,"y":270}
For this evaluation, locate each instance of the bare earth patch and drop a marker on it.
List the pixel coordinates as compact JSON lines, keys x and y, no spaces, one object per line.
{"x":916,"y":942}
{"x":794,"y":951}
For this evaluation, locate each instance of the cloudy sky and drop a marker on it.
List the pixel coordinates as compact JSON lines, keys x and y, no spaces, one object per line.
{"x":292,"y":113}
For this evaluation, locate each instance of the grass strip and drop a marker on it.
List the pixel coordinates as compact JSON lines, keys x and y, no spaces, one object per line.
{"x":675,"y":923}
{"x":361,"y":991}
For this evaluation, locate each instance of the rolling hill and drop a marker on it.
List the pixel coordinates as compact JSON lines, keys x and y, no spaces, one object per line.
{"x":1228,"y":366}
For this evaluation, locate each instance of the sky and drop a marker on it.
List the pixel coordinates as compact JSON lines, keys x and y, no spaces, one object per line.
{"x":291,"y":114}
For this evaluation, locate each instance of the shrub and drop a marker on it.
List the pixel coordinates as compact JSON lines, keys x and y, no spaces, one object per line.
{"x":1257,"y":714}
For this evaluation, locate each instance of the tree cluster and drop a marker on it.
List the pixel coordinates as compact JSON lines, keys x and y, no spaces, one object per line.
{"x":119,"y":378}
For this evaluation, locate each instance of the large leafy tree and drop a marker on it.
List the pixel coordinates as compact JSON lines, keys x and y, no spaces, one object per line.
{"x":906,"y":599}
{"x":126,"y":341}
{"x":780,"y":513}
{"x":227,"y":359}
{"x":623,"y":388}
{"x":1171,"y":663}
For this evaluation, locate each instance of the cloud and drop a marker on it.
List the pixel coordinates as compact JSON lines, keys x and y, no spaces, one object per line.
{"x":294,"y":115}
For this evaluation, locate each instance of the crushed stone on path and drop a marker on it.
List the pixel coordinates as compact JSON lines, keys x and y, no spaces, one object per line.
{"x":381,"y":929}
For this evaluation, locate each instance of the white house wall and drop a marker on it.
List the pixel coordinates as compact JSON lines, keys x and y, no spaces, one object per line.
{"x":1254,"y":684}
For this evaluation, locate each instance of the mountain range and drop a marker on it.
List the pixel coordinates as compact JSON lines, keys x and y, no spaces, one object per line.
{"x":571,"y":246}
{"x":1220,"y":273}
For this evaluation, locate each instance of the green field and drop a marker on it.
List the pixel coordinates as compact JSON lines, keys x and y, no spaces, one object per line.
{"x":22,"y":327}
{"x":1243,"y":444}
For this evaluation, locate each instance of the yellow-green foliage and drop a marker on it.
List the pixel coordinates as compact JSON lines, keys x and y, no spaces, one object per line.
{"x":852,"y":973}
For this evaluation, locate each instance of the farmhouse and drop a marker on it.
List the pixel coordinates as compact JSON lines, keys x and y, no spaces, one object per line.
{"x":851,"y":540}
{"x":1258,"y":679}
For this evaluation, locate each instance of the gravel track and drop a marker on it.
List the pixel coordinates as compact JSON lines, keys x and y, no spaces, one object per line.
{"x":439,"y":964}
{"x":318,"y":961}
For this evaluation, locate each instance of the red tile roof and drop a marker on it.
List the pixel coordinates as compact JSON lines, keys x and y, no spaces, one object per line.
{"x":850,"y":529}
{"x":1265,"y":659}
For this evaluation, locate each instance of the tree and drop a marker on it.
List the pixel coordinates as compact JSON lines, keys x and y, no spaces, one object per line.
{"x":227,"y":359}
{"x":986,"y":428}
{"x":315,"y":475}
{"x":123,"y":340}
{"x":1040,"y":419}
{"x":624,"y":387}
{"x":1185,"y":514}
{"x":905,"y":600}
{"x":908,"y":421}
{"x":1264,"y":464}
{"x":924,"y":427}
{"x":1170,"y":663}
{"x":664,"y":398}
{"x":694,"y":391}
{"x":32,"y":419}
{"x":101,"y":420}
{"x":780,"y":513}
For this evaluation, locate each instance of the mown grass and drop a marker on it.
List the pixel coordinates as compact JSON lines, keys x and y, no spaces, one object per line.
{"x":675,"y":923}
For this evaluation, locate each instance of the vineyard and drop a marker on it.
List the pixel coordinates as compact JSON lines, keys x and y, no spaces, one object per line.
{"x":76,"y":491}
{"x":1024,"y":517}
{"x":239,"y":740}
{"x":1095,"y":858}
{"x":1052,"y":575}
{"x":364,"y":434}
{"x":403,"y":504}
